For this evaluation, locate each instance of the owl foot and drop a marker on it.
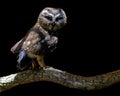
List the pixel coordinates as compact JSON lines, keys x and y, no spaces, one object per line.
{"x":33,"y":66}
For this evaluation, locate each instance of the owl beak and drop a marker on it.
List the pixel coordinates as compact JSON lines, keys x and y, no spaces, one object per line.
{"x":51,"y":26}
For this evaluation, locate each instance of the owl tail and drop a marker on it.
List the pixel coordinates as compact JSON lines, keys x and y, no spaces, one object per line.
{"x":21,"y":56}
{"x":21,"y":59}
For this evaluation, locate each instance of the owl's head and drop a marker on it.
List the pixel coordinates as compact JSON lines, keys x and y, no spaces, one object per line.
{"x":52,"y":18}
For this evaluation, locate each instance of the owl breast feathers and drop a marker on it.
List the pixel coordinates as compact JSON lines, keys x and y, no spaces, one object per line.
{"x":41,"y":38}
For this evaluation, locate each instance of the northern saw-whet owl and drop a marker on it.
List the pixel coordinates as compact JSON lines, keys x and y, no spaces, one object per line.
{"x":41,"y":38}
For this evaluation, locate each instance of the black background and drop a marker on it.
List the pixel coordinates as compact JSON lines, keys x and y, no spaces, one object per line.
{"x":88,"y":44}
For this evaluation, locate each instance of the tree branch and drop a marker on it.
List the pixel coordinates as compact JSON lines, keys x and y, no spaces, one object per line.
{"x":61,"y":77}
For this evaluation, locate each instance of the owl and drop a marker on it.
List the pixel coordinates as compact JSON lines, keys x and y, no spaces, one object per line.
{"x":41,"y":39}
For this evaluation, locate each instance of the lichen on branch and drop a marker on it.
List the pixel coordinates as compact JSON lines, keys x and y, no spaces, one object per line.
{"x":60,"y":77}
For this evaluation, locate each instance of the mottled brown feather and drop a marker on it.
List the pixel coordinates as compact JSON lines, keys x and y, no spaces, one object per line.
{"x":38,"y":41}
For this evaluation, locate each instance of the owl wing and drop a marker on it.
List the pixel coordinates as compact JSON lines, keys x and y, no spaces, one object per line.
{"x":29,"y":41}
{"x":32,"y":42}
{"x":35,"y":43}
{"x":16,"y":48}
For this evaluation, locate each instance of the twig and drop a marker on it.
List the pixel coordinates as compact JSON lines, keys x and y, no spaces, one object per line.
{"x":61,"y":77}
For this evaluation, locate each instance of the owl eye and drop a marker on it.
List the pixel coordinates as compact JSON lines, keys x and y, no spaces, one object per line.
{"x":49,"y":17}
{"x":59,"y":18}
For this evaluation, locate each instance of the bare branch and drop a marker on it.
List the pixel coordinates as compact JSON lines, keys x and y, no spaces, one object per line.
{"x":60,"y":77}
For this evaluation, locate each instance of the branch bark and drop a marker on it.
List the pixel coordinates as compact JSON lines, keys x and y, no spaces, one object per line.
{"x":61,"y":77}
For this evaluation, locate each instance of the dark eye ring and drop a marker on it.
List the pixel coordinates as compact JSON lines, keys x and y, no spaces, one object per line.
{"x":59,"y":18}
{"x":49,"y":18}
